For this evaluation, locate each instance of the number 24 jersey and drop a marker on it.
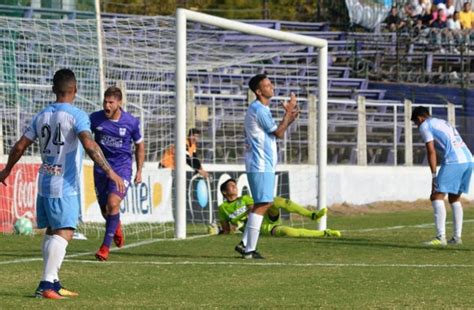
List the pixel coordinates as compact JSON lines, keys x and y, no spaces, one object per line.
{"x":57,"y":128}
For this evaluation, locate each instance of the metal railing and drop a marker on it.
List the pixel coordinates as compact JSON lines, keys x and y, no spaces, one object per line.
{"x":406,"y":57}
{"x":357,"y":127}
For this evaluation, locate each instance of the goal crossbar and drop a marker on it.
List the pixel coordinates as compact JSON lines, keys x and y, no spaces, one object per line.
{"x":182,"y":17}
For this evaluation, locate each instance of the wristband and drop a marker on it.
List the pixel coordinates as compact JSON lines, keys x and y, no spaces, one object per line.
{"x":433,"y":175}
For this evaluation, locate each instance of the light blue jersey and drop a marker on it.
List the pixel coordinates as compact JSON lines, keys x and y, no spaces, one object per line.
{"x":447,"y":140}
{"x":57,"y":128}
{"x":260,"y":142}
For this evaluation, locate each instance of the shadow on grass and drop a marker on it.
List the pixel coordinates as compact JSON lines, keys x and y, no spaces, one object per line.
{"x":382,"y":244}
{"x":125,"y":254}
{"x":6,"y":294}
{"x":21,"y":254}
{"x":170,"y":255}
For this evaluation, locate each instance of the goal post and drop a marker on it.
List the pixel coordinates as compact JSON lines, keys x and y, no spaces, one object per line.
{"x":182,"y":17}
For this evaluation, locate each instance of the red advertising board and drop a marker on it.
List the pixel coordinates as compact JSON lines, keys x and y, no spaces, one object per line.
{"x":18,"y":198}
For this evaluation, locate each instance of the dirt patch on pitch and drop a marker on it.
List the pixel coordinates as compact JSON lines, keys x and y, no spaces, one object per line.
{"x":387,"y":207}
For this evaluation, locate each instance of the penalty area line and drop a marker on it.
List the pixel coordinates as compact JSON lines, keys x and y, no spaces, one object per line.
{"x":270,"y":264}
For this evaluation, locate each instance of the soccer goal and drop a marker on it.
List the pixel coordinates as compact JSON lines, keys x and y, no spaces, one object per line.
{"x":182,"y":18}
{"x":176,"y":73}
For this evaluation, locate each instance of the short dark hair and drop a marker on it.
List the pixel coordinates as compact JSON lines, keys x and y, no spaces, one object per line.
{"x":255,"y":81}
{"x":62,"y":80}
{"x":223,"y":187}
{"x":194,"y":131}
{"x":419,"y":111}
{"x":113,"y":92}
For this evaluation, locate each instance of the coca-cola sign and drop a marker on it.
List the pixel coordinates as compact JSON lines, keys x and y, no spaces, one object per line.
{"x":18,"y":198}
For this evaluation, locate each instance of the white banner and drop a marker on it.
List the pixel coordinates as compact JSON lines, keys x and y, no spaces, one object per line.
{"x":149,"y":201}
{"x":368,"y":13}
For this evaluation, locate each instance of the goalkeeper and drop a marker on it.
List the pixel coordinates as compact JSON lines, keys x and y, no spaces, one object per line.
{"x":233,"y":215}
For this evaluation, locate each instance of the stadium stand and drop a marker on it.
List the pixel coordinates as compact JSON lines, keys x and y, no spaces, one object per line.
{"x":354,"y":59}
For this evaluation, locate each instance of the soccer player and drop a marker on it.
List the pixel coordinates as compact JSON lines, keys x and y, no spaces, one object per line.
{"x":261,"y":132}
{"x":115,"y":130}
{"x":233,"y":214}
{"x":167,"y":160}
{"x":59,"y":128}
{"x":453,"y":176}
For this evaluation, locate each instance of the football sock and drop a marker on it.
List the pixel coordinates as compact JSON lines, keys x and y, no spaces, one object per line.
{"x":439,"y":217}
{"x":253,"y":231}
{"x":55,"y":256}
{"x":291,"y":207}
{"x":244,"y":237}
{"x":281,"y":231}
{"x":110,"y":228}
{"x":457,"y":219}
{"x":56,"y":286}
{"x":44,"y":247}
{"x":45,"y":285}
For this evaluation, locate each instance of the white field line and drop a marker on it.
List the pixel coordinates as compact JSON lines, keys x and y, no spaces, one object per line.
{"x":145,"y":242}
{"x":270,"y":264}
{"x":400,"y":227}
{"x":127,"y":246}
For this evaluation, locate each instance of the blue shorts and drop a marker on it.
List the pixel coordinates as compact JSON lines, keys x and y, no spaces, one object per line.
{"x":105,"y":186}
{"x":262,"y":186}
{"x":454,"y":178}
{"x":58,"y":212}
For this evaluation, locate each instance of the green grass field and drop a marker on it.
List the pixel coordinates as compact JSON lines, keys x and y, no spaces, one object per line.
{"x":378,"y":263}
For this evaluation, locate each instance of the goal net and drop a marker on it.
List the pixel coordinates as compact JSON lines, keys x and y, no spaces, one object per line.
{"x":140,"y":56}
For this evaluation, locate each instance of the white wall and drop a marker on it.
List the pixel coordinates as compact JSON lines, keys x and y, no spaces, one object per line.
{"x":360,"y":185}
{"x":356,"y":184}
{"x":351,"y":184}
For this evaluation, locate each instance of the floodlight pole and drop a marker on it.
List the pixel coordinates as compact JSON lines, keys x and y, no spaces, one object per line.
{"x":182,"y":16}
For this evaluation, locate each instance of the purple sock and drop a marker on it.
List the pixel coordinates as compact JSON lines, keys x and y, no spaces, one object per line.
{"x":111,"y":224}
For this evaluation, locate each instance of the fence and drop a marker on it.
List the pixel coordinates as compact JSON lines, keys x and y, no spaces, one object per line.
{"x":363,"y":132}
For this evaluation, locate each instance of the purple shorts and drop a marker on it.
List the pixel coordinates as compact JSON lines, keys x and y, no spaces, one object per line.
{"x":105,"y":186}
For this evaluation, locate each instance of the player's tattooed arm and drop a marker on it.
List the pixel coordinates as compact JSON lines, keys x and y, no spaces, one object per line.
{"x":94,"y":151}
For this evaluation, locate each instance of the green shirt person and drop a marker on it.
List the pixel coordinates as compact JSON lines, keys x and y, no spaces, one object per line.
{"x":233,"y":214}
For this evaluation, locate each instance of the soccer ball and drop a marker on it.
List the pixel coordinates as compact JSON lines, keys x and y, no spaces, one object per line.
{"x":23,"y":226}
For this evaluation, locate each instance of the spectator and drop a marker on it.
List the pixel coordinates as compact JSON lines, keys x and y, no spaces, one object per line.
{"x":436,"y":13}
{"x":466,"y":16}
{"x":417,"y":9}
{"x":453,"y":22}
{"x":439,"y":30}
{"x":430,"y":18}
{"x":426,"y":6}
{"x":393,"y":21}
{"x":167,"y":160}
{"x":462,"y":36}
{"x":421,"y":32}
{"x":456,"y":34}
{"x":450,"y":8}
